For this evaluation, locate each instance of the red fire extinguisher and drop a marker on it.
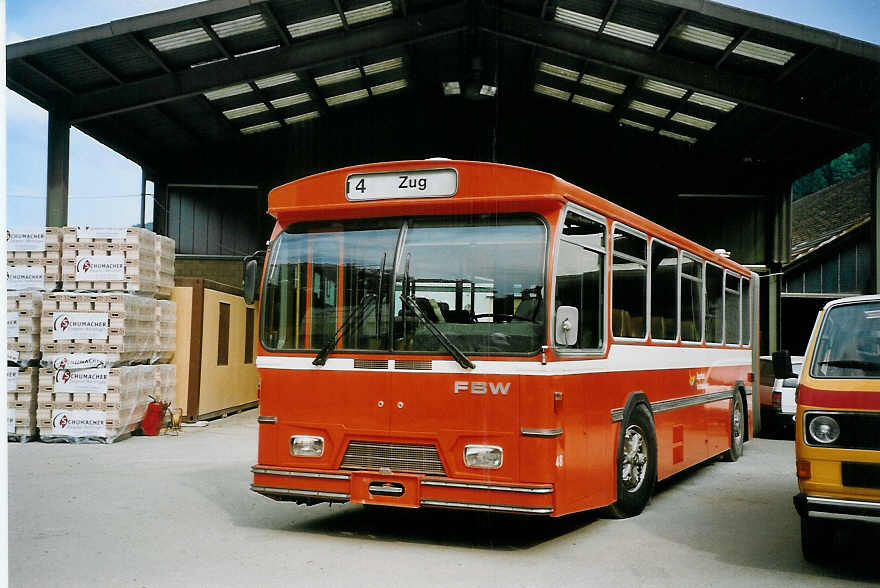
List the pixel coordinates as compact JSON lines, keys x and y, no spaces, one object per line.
{"x":153,"y":419}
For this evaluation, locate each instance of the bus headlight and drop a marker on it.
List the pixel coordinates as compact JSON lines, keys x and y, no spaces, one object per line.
{"x":487,"y":457}
{"x":824,"y":429}
{"x":306,"y":446}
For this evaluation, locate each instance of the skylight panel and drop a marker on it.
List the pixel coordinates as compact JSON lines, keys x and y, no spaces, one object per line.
{"x":648,"y":108}
{"x":371,"y":12}
{"x":339,"y":76}
{"x":594,"y":104}
{"x":603,"y":84}
{"x":577,"y":19}
{"x":228,"y":91}
{"x":380,"y":66}
{"x":284,"y":78}
{"x":290,"y":100}
{"x":703,"y":37}
{"x":315,"y":25}
{"x":636,"y":125}
{"x":559,"y":72}
{"x":261,"y":127}
{"x":347,"y":97}
{"x":553,"y":92}
{"x":239,"y":26}
{"x":763,"y":52}
{"x":661,"y":88}
{"x":451,"y":88}
{"x":631,"y":34}
{"x":712,"y":102}
{"x":245,"y":110}
{"x":678,"y":137}
{"x":389,"y":87}
{"x":292,"y":120}
{"x":693,"y":121}
{"x":181,"y":39}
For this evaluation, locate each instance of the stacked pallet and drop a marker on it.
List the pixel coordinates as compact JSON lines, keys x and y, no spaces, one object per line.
{"x":165,"y":266}
{"x":122,"y":260}
{"x":120,"y":326}
{"x":33,"y":258}
{"x":21,"y":403}
{"x":100,"y":404}
{"x":23,"y":311}
{"x":165,"y":385}
{"x":165,"y":338}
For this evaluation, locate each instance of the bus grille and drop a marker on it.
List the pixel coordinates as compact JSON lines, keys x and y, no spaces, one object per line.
{"x":371,"y":364}
{"x":398,"y":457}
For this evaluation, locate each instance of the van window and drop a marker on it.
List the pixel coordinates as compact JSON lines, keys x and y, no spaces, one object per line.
{"x":849,"y":342}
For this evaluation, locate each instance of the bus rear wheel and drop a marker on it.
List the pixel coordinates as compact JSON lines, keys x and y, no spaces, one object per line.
{"x":636,"y":463}
{"x":737,"y":429}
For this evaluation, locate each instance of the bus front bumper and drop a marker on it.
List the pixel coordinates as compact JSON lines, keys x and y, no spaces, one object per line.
{"x":837,"y":508}
{"x":402,"y":490}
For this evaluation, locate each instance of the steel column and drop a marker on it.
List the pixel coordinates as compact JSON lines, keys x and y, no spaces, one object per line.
{"x":875,"y":210}
{"x":57,"y":169}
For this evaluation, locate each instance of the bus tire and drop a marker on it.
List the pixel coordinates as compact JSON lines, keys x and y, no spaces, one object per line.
{"x":636,"y":463}
{"x":737,"y":429}
{"x":817,"y":538}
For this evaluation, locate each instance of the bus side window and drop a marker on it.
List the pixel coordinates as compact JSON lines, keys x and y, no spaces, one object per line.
{"x":629,"y":284}
{"x":691,"y":294}
{"x":580,"y":271}
{"x":714,"y":303}
{"x":664,"y":292}
{"x":731,"y":308}
{"x":746,"y":311}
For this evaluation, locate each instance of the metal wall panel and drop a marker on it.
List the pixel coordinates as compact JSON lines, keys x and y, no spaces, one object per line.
{"x":216,"y":220}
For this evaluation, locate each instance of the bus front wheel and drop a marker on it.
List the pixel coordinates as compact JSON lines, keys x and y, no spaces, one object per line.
{"x":636,"y":463}
{"x":737,"y":429}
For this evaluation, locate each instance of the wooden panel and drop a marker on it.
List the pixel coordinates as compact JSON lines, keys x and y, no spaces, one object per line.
{"x":182,"y":296}
{"x":235,"y":384}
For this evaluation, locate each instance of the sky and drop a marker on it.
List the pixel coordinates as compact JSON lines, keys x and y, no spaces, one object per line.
{"x":105,"y":187}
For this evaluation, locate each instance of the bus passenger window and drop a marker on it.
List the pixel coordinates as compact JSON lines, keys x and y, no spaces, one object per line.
{"x":629,"y":285}
{"x":579,"y":277}
{"x":664,"y":292}
{"x":746,"y":311}
{"x":691,"y":299}
{"x":731,"y":308}
{"x":714,"y":303}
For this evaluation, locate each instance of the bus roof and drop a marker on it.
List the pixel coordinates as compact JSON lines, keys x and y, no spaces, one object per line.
{"x":482,"y":188}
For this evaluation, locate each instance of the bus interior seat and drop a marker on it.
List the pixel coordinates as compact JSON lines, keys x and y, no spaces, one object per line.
{"x":620,"y":320}
{"x":658,"y":327}
{"x":459,"y":316}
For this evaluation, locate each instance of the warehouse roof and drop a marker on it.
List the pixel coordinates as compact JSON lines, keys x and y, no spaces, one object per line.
{"x":715,"y":79}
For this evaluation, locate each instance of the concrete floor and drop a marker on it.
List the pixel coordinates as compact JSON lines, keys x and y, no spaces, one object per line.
{"x":176,"y":511}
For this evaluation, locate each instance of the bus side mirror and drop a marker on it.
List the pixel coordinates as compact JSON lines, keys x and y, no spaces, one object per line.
{"x":251,"y":280}
{"x":566,"y":325}
{"x":782,"y":365}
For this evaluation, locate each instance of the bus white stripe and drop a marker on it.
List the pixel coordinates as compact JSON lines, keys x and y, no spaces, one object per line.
{"x":623,"y":358}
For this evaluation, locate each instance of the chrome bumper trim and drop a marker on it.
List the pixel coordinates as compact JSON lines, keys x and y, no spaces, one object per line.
{"x":272,"y":472}
{"x":870,"y":506}
{"x":550,"y":433}
{"x":299,"y":492}
{"x":535,"y":510}
{"x":267,"y":420}
{"x":676,"y":403}
{"x":836,"y":516}
{"x":489,"y":487}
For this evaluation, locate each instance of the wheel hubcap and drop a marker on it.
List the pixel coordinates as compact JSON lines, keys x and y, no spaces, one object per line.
{"x":634,"y":465}
{"x":738,"y":425}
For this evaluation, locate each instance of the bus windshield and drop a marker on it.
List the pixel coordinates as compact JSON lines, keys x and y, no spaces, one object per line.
{"x":479,"y":281}
{"x":849,"y":342}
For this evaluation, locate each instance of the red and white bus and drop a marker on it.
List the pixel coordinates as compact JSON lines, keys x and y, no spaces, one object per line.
{"x":479,"y":336}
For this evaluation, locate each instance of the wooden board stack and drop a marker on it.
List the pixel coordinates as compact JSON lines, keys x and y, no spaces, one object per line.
{"x":122,"y":260}
{"x":165,"y":266}
{"x":33,"y":258}
{"x":165,"y":387}
{"x":23,"y":312}
{"x":119,"y":325}
{"x":100,"y":404}
{"x":165,"y":340}
{"x":21,"y":403}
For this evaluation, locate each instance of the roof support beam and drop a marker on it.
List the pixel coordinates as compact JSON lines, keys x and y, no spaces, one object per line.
{"x":295,"y":57}
{"x":746,"y":90}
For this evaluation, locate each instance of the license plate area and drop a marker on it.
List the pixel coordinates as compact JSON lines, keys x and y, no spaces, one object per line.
{"x":386,"y":489}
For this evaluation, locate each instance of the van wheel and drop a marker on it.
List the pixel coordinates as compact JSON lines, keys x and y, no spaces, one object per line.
{"x":817,"y":538}
{"x":737,"y":429}
{"x":636,"y":463}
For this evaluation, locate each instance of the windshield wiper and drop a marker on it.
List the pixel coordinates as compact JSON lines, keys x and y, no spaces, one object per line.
{"x":852,"y":363}
{"x":358,"y":313}
{"x":454,"y":351}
